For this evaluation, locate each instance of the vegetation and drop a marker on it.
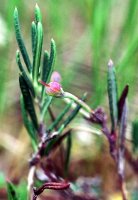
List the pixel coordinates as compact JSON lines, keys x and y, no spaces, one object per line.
{"x":50,"y":104}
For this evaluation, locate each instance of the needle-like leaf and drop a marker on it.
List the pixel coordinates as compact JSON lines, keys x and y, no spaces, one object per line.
{"x":60,"y":117}
{"x":29,"y":106}
{"x":20,"y":40}
{"x":37,"y":52}
{"x":112,"y":95}
{"x":33,"y":34}
{"x":122,"y":101}
{"x":23,"y":73}
{"x":38,"y":17}
{"x":28,"y":124}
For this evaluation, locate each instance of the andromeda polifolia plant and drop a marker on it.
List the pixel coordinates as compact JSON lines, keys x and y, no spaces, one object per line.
{"x":39,"y":85}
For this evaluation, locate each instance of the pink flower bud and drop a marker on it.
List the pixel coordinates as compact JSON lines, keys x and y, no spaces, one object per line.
{"x":53,"y":88}
{"x":55,"y":77}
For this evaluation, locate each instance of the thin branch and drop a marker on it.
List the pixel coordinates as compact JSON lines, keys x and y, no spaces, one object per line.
{"x":30,"y":181}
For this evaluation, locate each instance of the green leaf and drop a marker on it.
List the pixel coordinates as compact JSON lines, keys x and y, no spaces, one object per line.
{"x":48,"y":65}
{"x":23,"y":73}
{"x":63,"y":126}
{"x":52,"y":58}
{"x":20,"y":40}
{"x":45,"y":106}
{"x":135,"y":136}
{"x":68,"y":152}
{"x":37,"y":52}
{"x":38,"y":17}
{"x":45,"y":71}
{"x":45,"y":68}
{"x":12,"y":194}
{"x":60,"y":117}
{"x":28,"y":124}
{"x":112,"y":95}
{"x":29,"y":106}
{"x":33,"y":34}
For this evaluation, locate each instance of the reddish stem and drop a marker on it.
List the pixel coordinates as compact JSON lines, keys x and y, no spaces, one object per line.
{"x":52,"y":186}
{"x":43,"y":83}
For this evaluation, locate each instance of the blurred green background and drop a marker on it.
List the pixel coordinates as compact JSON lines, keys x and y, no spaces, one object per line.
{"x":87,"y":34}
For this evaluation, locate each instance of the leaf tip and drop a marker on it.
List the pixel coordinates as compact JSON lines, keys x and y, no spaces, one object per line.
{"x":110,"y":63}
{"x":15,"y":9}
{"x":36,"y":5}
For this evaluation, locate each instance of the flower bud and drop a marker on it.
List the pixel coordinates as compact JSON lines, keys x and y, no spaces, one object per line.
{"x":55,"y":77}
{"x":53,"y":88}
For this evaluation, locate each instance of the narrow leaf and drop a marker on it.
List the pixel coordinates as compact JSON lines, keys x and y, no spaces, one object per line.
{"x":38,"y":17}
{"x":33,"y":34}
{"x":51,"y":59}
{"x":68,"y":152}
{"x":45,"y":106}
{"x":12,"y":194}
{"x":28,"y":124}
{"x":63,"y":126}
{"x":29,"y":106}
{"x":26,"y":78}
{"x":122,"y":134}
{"x":45,"y":71}
{"x":20,"y":40}
{"x":60,"y":117}
{"x":45,"y":67}
{"x":135,"y":136}
{"x":37,"y":52}
{"x":122,"y":101}
{"x":112,"y":94}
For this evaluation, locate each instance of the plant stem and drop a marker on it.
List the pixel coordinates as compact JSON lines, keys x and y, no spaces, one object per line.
{"x":123,"y":188}
{"x":82,"y":111}
{"x":30,"y":181}
{"x":78,"y":101}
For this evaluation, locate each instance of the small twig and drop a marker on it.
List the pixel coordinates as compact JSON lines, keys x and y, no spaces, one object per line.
{"x":30,"y":181}
{"x":36,"y":157}
{"x":123,"y":188}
